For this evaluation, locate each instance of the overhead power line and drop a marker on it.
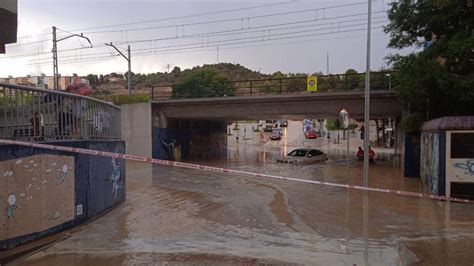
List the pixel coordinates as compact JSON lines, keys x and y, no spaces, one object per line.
{"x":268,"y":35}
{"x":247,"y":30}
{"x":339,"y":25}
{"x":164,"y":19}
{"x":187,"y":16}
{"x":212,"y":34}
{"x":208,"y":48}
{"x":224,"y":31}
{"x":223,"y":20}
{"x":219,"y":42}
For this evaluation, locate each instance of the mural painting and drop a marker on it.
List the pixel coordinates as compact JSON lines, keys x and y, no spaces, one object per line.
{"x":36,"y":193}
{"x":429,"y":167}
{"x":115,"y":178}
{"x":462,"y":170}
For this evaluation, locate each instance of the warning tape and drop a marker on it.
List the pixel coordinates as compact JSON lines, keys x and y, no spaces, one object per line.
{"x":228,"y":171}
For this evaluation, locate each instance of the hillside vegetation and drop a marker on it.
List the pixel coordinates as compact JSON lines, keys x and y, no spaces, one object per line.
{"x":116,"y":81}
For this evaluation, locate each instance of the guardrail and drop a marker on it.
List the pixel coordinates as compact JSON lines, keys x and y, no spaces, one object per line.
{"x":274,"y":86}
{"x":33,"y":114}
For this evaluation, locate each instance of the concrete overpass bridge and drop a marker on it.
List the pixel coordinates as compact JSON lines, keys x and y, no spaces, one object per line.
{"x":199,"y":126}
{"x":383,"y":104}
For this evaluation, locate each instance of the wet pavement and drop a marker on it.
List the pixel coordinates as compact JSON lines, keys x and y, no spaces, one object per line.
{"x":181,"y":216}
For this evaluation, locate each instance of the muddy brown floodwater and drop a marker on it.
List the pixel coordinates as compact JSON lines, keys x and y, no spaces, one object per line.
{"x":175,"y":216}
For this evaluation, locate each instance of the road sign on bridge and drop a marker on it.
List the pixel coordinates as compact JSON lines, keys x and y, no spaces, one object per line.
{"x":312,"y":84}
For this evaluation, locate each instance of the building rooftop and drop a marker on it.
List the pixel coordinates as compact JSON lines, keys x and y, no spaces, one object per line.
{"x":449,"y":123}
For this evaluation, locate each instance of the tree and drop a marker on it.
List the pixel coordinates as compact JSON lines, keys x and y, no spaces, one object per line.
{"x":353,"y":79}
{"x":439,"y":80}
{"x":93,"y":80}
{"x":333,"y":124}
{"x":176,"y":70}
{"x":205,"y":83}
{"x":125,"y":75}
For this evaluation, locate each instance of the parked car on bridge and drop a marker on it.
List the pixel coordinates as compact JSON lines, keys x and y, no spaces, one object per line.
{"x":276,"y":134}
{"x":304,"y":156}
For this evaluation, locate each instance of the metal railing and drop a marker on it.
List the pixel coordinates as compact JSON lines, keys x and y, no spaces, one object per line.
{"x":274,"y":86}
{"x":33,"y":114}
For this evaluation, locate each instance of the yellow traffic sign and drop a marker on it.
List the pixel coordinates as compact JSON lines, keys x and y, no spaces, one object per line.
{"x":312,"y":84}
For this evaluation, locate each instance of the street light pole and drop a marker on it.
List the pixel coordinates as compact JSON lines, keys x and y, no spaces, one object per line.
{"x":129,"y":60}
{"x":389,"y":80}
{"x":129,"y":78}
{"x":367,"y":99}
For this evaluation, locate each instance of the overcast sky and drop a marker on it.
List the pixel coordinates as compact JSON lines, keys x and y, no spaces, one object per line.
{"x":285,"y":35}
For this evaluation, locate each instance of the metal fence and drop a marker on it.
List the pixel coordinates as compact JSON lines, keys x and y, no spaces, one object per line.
{"x":33,"y":114}
{"x":274,"y":86}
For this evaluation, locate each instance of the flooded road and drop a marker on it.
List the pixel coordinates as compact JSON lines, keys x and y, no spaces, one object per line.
{"x":179,"y":216}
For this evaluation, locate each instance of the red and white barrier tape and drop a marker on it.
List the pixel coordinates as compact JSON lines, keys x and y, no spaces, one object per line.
{"x":225,"y":170}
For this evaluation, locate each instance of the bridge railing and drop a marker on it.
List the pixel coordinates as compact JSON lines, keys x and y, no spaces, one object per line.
{"x":33,"y":114}
{"x":274,"y":86}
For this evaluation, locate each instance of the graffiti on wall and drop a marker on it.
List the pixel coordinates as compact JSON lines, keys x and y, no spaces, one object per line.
{"x":468,"y":167}
{"x":429,"y":167}
{"x":463,"y":169}
{"x":115,"y":177}
{"x":36,"y":193}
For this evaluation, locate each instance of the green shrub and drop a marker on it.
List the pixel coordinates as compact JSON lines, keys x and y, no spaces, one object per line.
{"x":333,"y":124}
{"x":127,"y":99}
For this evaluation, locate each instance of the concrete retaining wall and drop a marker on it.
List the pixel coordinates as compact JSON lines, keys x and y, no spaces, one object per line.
{"x":43,"y":192}
{"x":136,"y":128}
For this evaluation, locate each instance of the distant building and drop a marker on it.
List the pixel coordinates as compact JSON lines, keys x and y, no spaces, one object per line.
{"x":45,"y":82}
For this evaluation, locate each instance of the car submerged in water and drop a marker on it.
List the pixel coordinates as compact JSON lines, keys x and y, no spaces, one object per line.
{"x":276,"y":134}
{"x":304,"y":156}
{"x":269,"y":125}
{"x":311,"y":134}
{"x":283,"y":123}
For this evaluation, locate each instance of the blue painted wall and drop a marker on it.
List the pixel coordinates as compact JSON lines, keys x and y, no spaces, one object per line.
{"x":99,"y":183}
{"x":412,"y":151}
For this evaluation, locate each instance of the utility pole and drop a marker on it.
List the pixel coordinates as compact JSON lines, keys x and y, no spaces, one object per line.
{"x":327,"y":63}
{"x":367,"y":99}
{"x":55,"y":61}
{"x":129,"y":60}
{"x":129,"y":78}
{"x":55,"y":54}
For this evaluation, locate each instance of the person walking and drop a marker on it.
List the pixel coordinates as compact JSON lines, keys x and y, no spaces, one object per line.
{"x":237,"y":137}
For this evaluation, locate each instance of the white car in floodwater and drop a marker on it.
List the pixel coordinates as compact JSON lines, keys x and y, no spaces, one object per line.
{"x":304,"y":156}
